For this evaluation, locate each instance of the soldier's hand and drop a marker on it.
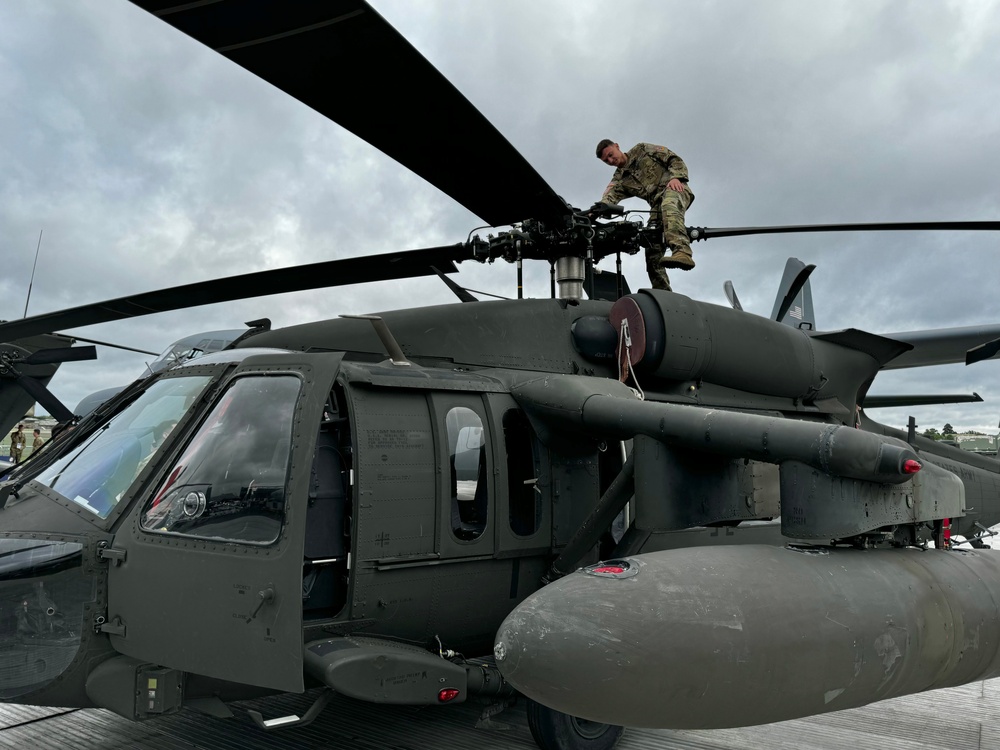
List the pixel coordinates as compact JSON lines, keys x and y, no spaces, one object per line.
{"x":676,"y":185}
{"x":601,"y":210}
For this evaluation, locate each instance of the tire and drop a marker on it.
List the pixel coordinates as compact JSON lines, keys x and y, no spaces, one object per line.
{"x":554,"y":730}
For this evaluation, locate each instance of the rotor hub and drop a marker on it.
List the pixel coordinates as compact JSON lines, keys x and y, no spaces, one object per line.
{"x":10,"y":356}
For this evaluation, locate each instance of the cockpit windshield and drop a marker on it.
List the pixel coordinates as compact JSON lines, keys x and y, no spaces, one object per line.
{"x":97,"y":472}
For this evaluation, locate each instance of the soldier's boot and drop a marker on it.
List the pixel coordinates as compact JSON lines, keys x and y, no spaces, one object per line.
{"x":680,"y":257}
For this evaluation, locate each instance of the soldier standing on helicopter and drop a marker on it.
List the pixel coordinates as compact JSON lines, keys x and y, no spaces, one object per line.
{"x":660,"y":177}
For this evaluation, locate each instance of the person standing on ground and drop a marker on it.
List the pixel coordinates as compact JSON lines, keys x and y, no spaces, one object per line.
{"x":660,"y":177}
{"x":17,"y":444}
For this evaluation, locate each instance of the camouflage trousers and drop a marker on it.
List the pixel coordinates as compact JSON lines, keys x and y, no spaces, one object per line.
{"x":658,"y":278}
{"x":668,"y":210}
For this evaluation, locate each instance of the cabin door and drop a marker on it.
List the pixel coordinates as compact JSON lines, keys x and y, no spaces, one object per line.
{"x":211,"y":580}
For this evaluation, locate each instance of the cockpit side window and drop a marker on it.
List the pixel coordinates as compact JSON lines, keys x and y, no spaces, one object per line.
{"x":229,"y":482}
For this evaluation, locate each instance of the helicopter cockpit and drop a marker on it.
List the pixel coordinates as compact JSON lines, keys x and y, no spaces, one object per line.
{"x":187,"y":468}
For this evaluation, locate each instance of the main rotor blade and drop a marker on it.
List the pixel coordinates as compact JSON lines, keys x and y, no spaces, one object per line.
{"x":341,"y":58}
{"x":113,"y":346}
{"x":707,"y":233}
{"x":401,"y":265}
{"x":458,"y":290}
{"x":52,"y":405}
{"x":62,"y":354}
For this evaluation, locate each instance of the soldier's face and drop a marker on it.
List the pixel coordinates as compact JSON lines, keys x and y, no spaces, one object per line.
{"x":613,"y":155}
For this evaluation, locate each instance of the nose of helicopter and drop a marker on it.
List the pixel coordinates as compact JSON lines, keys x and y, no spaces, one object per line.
{"x":43,"y":594}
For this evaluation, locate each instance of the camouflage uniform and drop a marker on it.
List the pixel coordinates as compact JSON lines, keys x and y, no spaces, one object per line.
{"x":645,"y":175}
{"x":16,"y":445}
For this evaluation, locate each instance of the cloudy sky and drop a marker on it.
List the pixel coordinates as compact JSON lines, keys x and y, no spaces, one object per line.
{"x":147,"y":160}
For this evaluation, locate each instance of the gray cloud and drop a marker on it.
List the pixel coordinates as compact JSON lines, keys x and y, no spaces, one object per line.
{"x":150,"y":161}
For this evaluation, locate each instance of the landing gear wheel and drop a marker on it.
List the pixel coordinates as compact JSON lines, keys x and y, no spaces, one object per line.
{"x":554,"y":730}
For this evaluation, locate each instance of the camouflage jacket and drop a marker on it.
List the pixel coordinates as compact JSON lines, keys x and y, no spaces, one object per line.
{"x":645,"y":175}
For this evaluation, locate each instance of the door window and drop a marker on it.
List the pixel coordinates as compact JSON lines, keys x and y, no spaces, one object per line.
{"x":229,"y":483}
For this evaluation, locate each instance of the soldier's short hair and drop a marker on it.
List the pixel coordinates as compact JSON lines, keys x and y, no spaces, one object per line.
{"x":603,"y":145}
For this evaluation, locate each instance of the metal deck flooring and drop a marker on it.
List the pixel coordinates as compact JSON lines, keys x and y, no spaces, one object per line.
{"x":966,"y":717}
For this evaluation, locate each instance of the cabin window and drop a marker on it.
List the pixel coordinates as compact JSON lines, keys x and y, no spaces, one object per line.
{"x":523,"y":497}
{"x":467,"y":459}
{"x":229,"y":483}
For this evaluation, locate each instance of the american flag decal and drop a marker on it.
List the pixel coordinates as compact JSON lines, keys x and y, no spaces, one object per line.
{"x":795,"y":312}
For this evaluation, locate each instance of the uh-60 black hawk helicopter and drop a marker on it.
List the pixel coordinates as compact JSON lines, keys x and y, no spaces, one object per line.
{"x":635,"y":509}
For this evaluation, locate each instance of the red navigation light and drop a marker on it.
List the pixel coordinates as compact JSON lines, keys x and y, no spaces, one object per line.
{"x":612,"y":569}
{"x":447,"y":694}
{"x":911,"y":467}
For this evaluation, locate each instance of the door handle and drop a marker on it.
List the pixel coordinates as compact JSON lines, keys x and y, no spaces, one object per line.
{"x":265,"y":596}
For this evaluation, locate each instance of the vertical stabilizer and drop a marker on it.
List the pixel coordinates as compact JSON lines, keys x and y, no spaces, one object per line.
{"x":793,"y":304}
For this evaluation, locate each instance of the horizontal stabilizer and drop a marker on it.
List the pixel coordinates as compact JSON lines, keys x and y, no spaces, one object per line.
{"x":943,"y":346}
{"x":983,"y":351}
{"x":884,"y":402}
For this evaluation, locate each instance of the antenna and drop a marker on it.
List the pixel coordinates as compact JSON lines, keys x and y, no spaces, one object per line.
{"x":392,"y":347}
{"x":32,"y":280}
